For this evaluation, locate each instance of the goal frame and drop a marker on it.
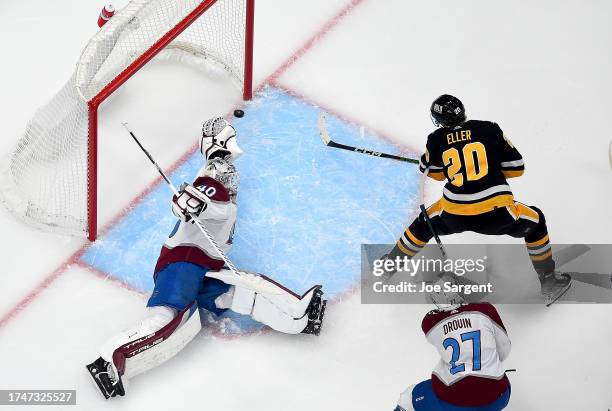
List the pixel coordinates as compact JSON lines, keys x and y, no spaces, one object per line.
{"x":94,"y":103}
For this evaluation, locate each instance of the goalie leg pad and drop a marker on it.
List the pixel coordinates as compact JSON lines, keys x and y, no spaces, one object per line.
{"x":269,"y":312}
{"x":283,"y":311}
{"x":146,"y":349}
{"x":153,"y":320}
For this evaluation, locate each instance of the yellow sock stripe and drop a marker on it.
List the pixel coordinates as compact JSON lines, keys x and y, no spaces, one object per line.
{"x":539,"y":242}
{"x":538,"y":250}
{"x":542,"y":257}
{"x":405,"y":250}
{"x":414,"y":239}
{"x":408,"y":244}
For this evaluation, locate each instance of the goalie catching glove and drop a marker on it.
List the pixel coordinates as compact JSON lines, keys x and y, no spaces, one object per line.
{"x":190,"y":202}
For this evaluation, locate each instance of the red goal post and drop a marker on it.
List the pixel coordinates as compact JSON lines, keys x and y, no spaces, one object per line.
{"x":50,"y":179}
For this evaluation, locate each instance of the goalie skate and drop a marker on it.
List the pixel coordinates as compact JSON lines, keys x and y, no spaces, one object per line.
{"x":104,"y":376}
{"x":315,"y":312}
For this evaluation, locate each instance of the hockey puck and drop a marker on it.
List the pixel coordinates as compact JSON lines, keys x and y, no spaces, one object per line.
{"x":238,"y":113}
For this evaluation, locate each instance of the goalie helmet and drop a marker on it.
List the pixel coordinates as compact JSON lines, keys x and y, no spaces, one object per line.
{"x":225,"y":173}
{"x":447,"y":111}
{"x":219,"y":140}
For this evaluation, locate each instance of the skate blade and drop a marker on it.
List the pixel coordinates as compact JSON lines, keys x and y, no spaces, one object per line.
{"x":97,"y":384}
{"x":319,"y":325}
{"x":559,"y":295}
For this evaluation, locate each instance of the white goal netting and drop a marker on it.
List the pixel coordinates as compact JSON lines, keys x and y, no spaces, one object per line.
{"x":45,"y":180}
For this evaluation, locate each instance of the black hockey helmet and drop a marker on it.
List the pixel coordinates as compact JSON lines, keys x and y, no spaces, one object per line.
{"x":447,"y":111}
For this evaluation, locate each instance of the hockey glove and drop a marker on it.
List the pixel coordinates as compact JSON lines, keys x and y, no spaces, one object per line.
{"x":190,"y":202}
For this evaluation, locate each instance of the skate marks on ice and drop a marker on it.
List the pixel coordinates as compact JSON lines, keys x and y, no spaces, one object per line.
{"x":303,"y":210}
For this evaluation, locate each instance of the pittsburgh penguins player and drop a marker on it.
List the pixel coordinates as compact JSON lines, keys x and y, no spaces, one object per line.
{"x":475,"y":159}
{"x":190,"y":275}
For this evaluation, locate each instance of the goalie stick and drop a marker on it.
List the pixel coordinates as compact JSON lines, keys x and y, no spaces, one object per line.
{"x":251,"y":282}
{"x":330,"y":143}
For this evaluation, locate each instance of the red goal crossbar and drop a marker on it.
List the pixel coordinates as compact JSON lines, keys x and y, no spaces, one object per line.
{"x":133,"y":68}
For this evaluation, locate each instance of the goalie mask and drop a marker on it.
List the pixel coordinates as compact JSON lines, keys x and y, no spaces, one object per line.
{"x":219,"y":140}
{"x":225,"y":173}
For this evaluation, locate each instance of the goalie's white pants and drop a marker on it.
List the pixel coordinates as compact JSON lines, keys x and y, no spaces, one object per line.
{"x":162,"y":332}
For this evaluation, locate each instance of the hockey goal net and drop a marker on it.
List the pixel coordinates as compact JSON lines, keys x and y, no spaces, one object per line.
{"x":50,"y":179}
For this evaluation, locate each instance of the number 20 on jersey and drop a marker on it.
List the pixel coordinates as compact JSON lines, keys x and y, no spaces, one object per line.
{"x":472,"y":158}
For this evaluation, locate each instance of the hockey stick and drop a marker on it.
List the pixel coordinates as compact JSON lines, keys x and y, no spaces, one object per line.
{"x":430,"y":226}
{"x":443,"y":251}
{"x":454,"y":277}
{"x":330,"y":143}
{"x":249,"y":282}
{"x":433,"y":231}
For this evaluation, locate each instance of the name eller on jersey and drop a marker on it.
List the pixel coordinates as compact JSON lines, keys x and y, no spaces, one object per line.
{"x":458,"y":136}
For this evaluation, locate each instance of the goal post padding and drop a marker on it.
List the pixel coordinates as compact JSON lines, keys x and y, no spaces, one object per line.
{"x":50,"y":179}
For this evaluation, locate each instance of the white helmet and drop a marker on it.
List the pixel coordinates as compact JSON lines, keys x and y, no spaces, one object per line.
{"x":225,"y":173}
{"x":219,"y":140}
{"x":446,"y":300}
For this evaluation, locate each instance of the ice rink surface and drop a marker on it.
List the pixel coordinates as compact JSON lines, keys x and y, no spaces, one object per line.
{"x":291,"y":193}
{"x":539,"y":69}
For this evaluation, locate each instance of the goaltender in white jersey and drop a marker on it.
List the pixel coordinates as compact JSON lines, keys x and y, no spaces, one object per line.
{"x":190,"y":275}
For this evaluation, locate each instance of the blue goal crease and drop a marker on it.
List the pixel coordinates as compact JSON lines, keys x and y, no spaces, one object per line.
{"x":304,"y":209}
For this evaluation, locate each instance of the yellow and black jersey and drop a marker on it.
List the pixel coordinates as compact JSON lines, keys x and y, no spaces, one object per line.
{"x":476,"y":159}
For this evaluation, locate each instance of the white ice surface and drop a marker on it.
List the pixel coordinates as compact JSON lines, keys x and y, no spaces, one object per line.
{"x":540,"y":69}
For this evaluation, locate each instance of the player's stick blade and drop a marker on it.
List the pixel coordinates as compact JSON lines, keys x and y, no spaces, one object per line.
{"x":323,"y":130}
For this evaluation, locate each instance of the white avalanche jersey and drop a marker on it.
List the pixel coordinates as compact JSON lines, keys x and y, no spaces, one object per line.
{"x":186,"y":243}
{"x":472,"y":342}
